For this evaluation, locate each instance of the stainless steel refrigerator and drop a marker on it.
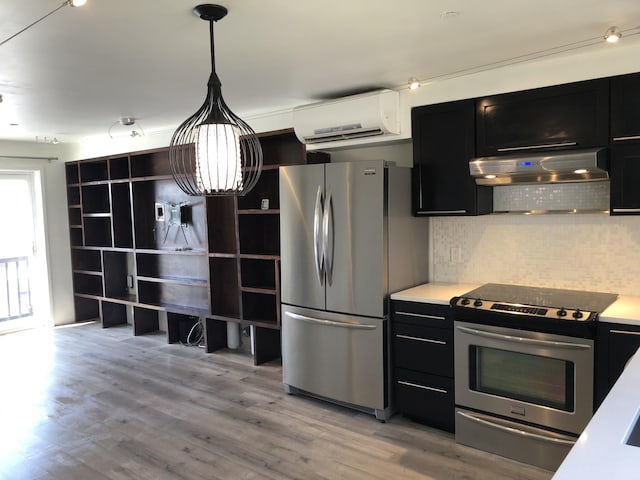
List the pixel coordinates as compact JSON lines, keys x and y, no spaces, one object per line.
{"x":348,"y":240}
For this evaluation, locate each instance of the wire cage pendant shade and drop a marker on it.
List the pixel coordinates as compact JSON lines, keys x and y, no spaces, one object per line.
{"x":214,"y":152}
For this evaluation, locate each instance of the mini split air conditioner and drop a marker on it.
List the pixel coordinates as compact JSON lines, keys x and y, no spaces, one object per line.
{"x":364,"y":115}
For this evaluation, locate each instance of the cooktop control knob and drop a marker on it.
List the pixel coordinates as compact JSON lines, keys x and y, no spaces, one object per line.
{"x":465,"y":301}
{"x":477,"y":303}
{"x":578,"y":314}
{"x":562,"y":312}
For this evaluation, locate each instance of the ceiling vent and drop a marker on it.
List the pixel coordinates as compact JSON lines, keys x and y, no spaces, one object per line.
{"x":364,"y":115}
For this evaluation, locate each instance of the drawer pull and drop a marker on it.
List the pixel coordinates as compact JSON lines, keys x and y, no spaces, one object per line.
{"x":624,"y":332}
{"x":423,"y":387}
{"x":420,"y":315}
{"x":626,"y":210}
{"x":419,"y":339}
{"x":630,"y":137}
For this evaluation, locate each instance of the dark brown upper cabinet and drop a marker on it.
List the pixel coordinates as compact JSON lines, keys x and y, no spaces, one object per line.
{"x":443,"y":143}
{"x":625,"y":108}
{"x":574,"y":115}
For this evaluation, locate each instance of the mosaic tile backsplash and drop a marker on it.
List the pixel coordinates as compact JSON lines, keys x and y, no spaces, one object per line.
{"x":580,"y":251}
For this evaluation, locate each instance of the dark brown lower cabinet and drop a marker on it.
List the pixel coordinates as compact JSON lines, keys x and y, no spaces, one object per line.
{"x":615,"y":345}
{"x":423,"y":363}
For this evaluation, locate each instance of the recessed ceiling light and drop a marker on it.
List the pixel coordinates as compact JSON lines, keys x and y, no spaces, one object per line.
{"x":580,"y":171}
{"x":413,"y":83}
{"x":612,"y":35}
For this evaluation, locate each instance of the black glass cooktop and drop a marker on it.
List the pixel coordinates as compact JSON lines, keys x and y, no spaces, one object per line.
{"x":543,"y":297}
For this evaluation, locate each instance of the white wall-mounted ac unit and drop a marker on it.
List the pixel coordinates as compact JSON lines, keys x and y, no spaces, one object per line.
{"x":364,"y":115}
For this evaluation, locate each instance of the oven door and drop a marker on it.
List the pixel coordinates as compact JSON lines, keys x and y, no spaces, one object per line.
{"x":536,"y":378}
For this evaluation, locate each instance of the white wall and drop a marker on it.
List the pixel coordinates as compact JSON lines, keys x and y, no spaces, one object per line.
{"x":608,"y":246}
{"x":56,"y":220}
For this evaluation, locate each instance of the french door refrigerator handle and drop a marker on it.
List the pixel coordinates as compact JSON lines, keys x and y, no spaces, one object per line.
{"x":305,"y":318}
{"x":524,"y":340}
{"x":515,"y":430}
{"x":328,"y":237}
{"x":319,"y":255}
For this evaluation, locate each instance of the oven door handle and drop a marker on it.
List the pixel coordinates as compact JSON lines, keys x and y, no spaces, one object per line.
{"x":516,"y":431}
{"x":524,"y":340}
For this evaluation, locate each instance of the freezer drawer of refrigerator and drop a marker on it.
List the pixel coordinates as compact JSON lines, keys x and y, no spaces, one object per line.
{"x":338,"y":357}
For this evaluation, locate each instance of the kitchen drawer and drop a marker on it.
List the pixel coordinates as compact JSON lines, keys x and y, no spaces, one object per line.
{"x":429,"y":399}
{"x":423,"y":349}
{"x":425,"y":314}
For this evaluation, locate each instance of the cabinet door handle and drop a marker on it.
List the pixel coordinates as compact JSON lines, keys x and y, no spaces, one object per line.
{"x":420,"y":315}
{"x":420,"y":339}
{"x":423,"y":387}
{"x":533,"y":147}
{"x":442,"y":212}
{"x":626,"y":210}
{"x":630,"y":137}
{"x":516,"y":431}
{"x":625,"y":332}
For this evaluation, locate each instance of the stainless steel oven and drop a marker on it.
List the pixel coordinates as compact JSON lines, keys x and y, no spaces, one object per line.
{"x":524,"y":368}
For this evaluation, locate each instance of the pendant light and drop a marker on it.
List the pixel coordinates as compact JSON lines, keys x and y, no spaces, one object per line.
{"x":214,"y":152}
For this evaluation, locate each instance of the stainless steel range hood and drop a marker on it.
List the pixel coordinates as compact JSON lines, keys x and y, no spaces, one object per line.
{"x":550,"y":167}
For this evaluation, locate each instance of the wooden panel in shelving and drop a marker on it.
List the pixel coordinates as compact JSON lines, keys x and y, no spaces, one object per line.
{"x":95,"y":199}
{"x":73,"y":196}
{"x":225,"y":295}
{"x":261,"y":309}
{"x":88,"y":260}
{"x":150,"y":164}
{"x":94,"y":171}
{"x":119,"y":168}
{"x":222,"y":224}
{"x":265,"y":190}
{"x":152,"y":234}
{"x":113,"y":314}
{"x":173,"y":266}
{"x":121,"y":215}
{"x":72,"y":173}
{"x":88,"y":284}
{"x":281,"y":148}
{"x":259,"y":234}
{"x":145,"y":320}
{"x":258,"y":273}
{"x":117,"y":267}
{"x":174,"y":296}
{"x":86,"y":309}
{"x":97,"y":231}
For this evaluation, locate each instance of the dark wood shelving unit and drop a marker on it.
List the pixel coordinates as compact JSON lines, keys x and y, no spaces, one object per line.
{"x":218,"y":262}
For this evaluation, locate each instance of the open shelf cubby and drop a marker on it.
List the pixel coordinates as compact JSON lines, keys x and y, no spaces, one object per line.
{"x":119,"y":168}
{"x":121,"y":215}
{"x":179,"y":327}
{"x":94,"y":171}
{"x":225,"y":295}
{"x":113,"y":314}
{"x":145,"y":320}
{"x":86,"y":308}
{"x":154,"y":163}
{"x":88,"y":283}
{"x":97,"y":232}
{"x":87,"y":260}
{"x":95,"y":199}
{"x":222,"y":224}
{"x":259,"y":234}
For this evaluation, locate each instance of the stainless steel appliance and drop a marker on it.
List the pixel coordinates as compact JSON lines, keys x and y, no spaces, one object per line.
{"x":524,"y":364}
{"x":347,"y":240}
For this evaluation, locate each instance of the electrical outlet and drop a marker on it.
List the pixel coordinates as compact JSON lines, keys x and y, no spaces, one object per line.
{"x":455,"y":254}
{"x":129,"y":281}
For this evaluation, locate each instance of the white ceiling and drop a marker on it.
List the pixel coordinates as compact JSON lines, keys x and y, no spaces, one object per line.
{"x":81,"y":69}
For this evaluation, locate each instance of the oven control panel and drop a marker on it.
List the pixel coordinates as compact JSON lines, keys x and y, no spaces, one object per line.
{"x":560,"y":313}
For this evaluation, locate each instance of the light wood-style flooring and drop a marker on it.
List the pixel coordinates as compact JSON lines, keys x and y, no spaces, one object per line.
{"x":88,"y":403}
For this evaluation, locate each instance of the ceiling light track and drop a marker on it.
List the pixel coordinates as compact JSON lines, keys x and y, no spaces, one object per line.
{"x":70,"y":3}
{"x":535,"y":55}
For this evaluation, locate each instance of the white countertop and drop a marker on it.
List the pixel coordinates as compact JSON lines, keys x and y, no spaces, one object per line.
{"x":439,"y":293}
{"x":625,"y":310}
{"x":601,"y":452}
